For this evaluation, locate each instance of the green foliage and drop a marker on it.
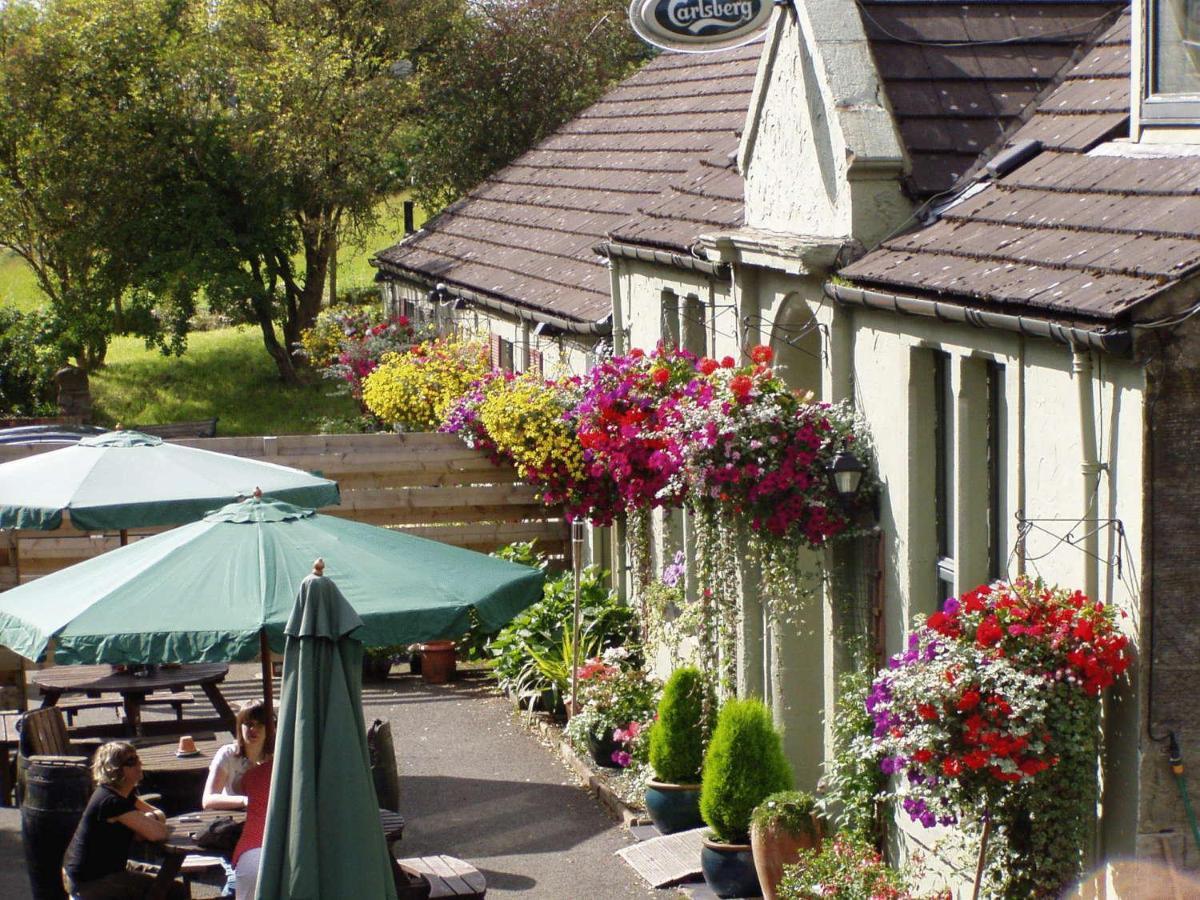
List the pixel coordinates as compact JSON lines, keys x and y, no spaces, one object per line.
{"x":744,"y":765}
{"x":793,"y":812}
{"x":677,"y":737}
{"x":539,"y":630}
{"x":847,"y":868}
{"x":506,"y":76}
{"x":28,"y":361}
{"x":853,"y":780}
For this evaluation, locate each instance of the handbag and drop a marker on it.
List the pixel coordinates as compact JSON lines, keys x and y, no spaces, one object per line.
{"x":220,"y":835}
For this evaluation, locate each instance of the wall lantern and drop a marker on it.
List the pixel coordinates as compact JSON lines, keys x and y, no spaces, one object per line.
{"x":846,"y":474}
{"x":438,"y":293}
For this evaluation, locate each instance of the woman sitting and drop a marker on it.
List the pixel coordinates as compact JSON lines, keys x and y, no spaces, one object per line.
{"x":94,"y":864}
{"x":224,"y":788}
{"x":257,"y":785}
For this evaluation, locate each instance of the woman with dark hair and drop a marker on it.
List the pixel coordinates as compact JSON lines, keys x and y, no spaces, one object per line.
{"x":224,"y":788}
{"x":94,"y":864}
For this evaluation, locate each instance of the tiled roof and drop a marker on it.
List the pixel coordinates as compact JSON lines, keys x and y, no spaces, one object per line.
{"x":526,"y":233}
{"x":1083,"y":230}
{"x":959,"y":74}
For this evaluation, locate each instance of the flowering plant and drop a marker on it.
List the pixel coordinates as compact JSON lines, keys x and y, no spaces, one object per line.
{"x":347,"y":343}
{"x":618,"y":700}
{"x":995,"y":689}
{"x":414,"y":390}
{"x":846,"y":867}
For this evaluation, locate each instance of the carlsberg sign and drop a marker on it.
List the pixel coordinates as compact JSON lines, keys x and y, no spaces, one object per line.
{"x":699,"y":25}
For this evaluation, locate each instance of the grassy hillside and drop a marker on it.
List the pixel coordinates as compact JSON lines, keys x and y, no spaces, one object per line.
{"x":225,"y":372}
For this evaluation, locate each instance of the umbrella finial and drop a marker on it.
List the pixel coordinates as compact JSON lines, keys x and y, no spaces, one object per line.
{"x":258,"y":493}
{"x":318,"y":566}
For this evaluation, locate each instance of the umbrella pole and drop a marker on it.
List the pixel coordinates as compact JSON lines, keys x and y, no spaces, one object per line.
{"x":268,"y":683}
{"x":124,"y":536}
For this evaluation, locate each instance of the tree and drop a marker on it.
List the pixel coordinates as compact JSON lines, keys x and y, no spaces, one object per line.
{"x":507,"y":76}
{"x":85,"y":172}
{"x":309,"y":95}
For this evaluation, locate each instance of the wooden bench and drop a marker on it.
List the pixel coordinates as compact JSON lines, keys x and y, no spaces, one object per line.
{"x":447,"y":876}
{"x":201,"y":428}
{"x":72,"y":706}
{"x":176,"y":699}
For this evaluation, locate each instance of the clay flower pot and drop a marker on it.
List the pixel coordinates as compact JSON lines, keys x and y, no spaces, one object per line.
{"x":774,"y":847}
{"x":437,"y":661}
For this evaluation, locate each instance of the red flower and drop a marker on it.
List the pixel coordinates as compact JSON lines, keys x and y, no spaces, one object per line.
{"x":952,"y":766}
{"x":707,"y":366}
{"x":660,"y":376}
{"x":968,"y":701}
{"x":762,"y":354}
{"x":926,"y":711}
{"x":741,"y":385}
{"x":923,"y":755}
{"x":989,"y":632}
{"x":976,"y":759}
{"x":727,"y":362}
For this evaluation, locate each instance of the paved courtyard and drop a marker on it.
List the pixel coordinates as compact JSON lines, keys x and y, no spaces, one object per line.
{"x":474,"y":784}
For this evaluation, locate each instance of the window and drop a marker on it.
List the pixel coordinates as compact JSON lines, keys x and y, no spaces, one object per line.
{"x":502,"y":353}
{"x":943,"y":490}
{"x":670,"y":317}
{"x":1172,"y":52}
{"x":535,"y":363}
{"x":997,"y":555}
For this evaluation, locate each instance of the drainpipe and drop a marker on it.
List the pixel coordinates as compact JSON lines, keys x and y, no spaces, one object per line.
{"x":618,"y":320}
{"x":1081,"y":368}
{"x":1020,"y":474}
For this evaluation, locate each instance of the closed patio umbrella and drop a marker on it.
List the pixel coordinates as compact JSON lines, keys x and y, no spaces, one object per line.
{"x":322,"y":836}
{"x":125,"y":479}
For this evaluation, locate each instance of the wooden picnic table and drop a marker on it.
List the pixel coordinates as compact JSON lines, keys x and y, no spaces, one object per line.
{"x":133,"y":688}
{"x":179,"y":780}
{"x":182,"y":842}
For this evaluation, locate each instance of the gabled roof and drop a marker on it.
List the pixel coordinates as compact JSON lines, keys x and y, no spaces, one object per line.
{"x":1083,"y":231}
{"x":526,"y":233}
{"x":959,"y":75}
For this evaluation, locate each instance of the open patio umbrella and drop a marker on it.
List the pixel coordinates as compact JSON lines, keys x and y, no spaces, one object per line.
{"x":222,"y":589}
{"x":322,"y":836}
{"x":125,"y":479}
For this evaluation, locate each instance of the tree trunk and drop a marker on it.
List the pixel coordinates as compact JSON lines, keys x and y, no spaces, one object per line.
{"x":333,"y":263}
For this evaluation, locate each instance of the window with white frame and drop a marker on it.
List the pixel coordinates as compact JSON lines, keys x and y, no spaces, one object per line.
{"x":943,"y":473}
{"x":1172,"y":62}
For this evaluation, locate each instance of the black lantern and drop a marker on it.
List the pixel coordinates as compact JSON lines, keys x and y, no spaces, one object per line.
{"x":846,"y":474}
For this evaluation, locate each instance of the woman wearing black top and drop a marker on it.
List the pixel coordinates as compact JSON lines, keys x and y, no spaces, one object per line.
{"x":94,"y":864}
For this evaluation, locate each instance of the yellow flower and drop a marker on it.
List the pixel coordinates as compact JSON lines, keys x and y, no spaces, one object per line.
{"x":414,"y":390}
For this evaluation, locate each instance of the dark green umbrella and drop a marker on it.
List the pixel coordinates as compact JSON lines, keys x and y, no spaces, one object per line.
{"x":125,"y":479}
{"x":322,"y":838}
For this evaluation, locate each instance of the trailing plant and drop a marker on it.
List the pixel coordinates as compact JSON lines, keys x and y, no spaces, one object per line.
{"x":994,"y":691}
{"x":414,"y":390}
{"x":793,"y":812}
{"x":677,"y":737}
{"x":845,"y":868}
{"x":853,"y":781}
{"x":347,"y":343}
{"x":667,"y":616}
{"x":744,"y":764}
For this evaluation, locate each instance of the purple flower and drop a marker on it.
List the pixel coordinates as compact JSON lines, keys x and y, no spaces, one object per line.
{"x":890,"y":765}
{"x":951,"y":606}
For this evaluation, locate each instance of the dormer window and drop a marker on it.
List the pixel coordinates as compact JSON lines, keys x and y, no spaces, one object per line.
{"x":1172,"y":62}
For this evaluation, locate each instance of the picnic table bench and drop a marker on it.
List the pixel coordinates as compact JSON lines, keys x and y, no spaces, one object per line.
{"x":447,"y":876}
{"x":72,"y":706}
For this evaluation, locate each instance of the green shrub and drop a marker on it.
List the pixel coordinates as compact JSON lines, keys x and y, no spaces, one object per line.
{"x":677,"y":738}
{"x":29,"y":357}
{"x":845,"y":867}
{"x":853,"y":778}
{"x":793,"y":812}
{"x":743,"y":766}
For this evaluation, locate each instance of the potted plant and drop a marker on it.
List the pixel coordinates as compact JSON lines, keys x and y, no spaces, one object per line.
{"x":377,"y":662}
{"x":744,"y":765}
{"x":782,"y":825}
{"x":616,"y":700}
{"x":677,"y":753}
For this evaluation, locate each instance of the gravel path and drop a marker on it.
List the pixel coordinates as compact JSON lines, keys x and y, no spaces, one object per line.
{"x":474,"y":784}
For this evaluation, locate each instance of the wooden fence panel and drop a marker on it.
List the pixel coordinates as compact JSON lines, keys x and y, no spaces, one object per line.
{"x":426,"y":484}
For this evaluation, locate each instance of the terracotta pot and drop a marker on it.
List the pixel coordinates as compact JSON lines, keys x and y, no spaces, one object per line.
{"x":775,"y":848}
{"x":729,"y":869}
{"x":437,"y":661}
{"x":673,"y":807}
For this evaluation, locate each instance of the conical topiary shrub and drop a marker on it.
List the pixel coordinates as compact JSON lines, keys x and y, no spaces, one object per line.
{"x":677,"y":737}
{"x":744,"y":764}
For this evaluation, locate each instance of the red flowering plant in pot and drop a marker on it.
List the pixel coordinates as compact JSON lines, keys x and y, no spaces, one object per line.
{"x":992,"y":712}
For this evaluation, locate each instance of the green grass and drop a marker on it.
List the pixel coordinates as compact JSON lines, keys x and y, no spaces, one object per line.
{"x":225,"y":373}
{"x":18,"y":286}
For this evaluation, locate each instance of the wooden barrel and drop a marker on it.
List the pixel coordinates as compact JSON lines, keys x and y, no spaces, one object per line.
{"x":56,"y":792}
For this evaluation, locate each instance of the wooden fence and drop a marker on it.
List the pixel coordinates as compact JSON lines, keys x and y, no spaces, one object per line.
{"x":430,"y":485}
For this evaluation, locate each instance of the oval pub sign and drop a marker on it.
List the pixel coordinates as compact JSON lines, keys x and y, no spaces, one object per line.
{"x":697,"y":26}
